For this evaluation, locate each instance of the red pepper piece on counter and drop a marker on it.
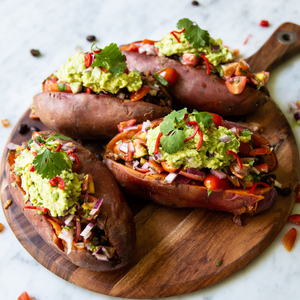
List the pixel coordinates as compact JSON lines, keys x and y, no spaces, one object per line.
{"x":24,"y":296}
{"x":264,"y":23}
{"x":295,"y":219}
{"x":289,"y":239}
{"x":255,"y":185}
{"x":237,"y":158}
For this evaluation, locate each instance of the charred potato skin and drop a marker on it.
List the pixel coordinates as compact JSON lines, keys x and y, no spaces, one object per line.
{"x":89,"y":116}
{"x":115,"y":217}
{"x":195,"y":89}
{"x":154,"y":187}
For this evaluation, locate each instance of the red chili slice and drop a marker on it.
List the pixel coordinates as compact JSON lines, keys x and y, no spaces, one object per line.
{"x":104,"y":70}
{"x":175,"y":36}
{"x":88,"y":60}
{"x":59,"y":181}
{"x":255,"y":185}
{"x":194,"y":133}
{"x":43,"y":209}
{"x":31,"y":169}
{"x":207,"y":63}
{"x":77,"y":161}
{"x":237,"y":158}
{"x":157,"y":143}
{"x":201,"y":139}
{"x":260,"y":151}
{"x":58,"y":148}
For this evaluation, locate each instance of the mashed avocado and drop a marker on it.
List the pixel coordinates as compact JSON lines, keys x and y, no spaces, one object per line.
{"x":169,"y":46}
{"x":40,"y":192}
{"x":78,"y":75}
{"x":212,"y":153}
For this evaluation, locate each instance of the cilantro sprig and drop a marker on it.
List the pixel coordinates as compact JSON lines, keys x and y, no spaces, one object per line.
{"x":247,"y":133}
{"x":111,"y":59}
{"x":57,"y":136}
{"x":49,"y":164}
{"x":196,"y":36}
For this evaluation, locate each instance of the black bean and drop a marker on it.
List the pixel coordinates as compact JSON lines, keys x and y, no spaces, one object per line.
{"x":286,"y":191}
{"x":196,"y":3}
{"x":91,"y":38}
{"x":268,"y":180}
{"x":23,"y":128}
{"x":272,"y":176}
{"x":259,"y":160}
{"x":35,"y":52}
{"x":34,"y":128}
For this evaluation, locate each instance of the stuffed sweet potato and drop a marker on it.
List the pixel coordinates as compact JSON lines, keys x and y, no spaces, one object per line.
{"x":195,"y":160}
{"x":72,"y":201}
{"x":209,"y":78}
{"x":93,"y":92}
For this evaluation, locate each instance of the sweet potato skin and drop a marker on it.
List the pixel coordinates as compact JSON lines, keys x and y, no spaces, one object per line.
{"x":89,"y":116}
{"x":154,"y":187}
{"x":115,"y":217}
{"x":195,"y":89}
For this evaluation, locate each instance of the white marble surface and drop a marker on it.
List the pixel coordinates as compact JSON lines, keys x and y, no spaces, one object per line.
{"x":56,"y":28}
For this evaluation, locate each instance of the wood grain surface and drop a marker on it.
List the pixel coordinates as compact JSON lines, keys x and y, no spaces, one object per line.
{"x":177,"y":250}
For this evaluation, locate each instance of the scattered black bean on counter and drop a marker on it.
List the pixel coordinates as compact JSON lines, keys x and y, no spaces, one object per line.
{"x":91,"y":38}
{"x":286,"y":191}
{"x":35,"y":52}
{"x":34,"y":128}
{"x":196,"y":3}
{"x":23,"y":128}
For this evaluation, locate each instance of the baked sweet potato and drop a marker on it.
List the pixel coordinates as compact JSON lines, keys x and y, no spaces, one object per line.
{"x":233,"y":188}
{"x":97,"y":231}
{"x":195,"y":89}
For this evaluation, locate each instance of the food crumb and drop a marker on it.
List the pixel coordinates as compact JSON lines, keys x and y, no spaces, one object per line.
{"x":1,"y":227}
{"x":5,"y":123}
{"x":219,"y":263}
{"x":196,"y":3}
{"x":7,"y":203}
{"x":264,"y":23}
{"x":35,"y":52}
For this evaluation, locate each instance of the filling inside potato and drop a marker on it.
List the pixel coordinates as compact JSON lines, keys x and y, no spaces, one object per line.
{"x":45,"y":170}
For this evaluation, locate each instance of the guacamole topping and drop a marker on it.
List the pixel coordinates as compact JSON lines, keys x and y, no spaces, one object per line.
{"x":185,"y":41}
{"x":39,"y":191}
{"x":212,"y":153}
{"x":104,"y":74}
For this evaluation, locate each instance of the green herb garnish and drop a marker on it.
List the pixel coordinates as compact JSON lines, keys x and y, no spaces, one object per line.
{"x":209,"y":192}
{"x":246,"y":133}
{"x":58,"y":136}
{"x":61,"y":87}
{"x":49,"y":164}
{"x":220,"y":263}
{"x":203,"y":117}
{"x":111,"y":59}
{"x":196,"y":36}
{"x":161,"y":80}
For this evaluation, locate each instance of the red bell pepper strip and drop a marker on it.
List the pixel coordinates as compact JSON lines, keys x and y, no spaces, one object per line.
{"x":77,"y":161}
{"x":157,"y":143}
{"x":255,"y":185}
{"x":58,"y":148}
{"x":31,"y":169}
{"x":43,"y":209}
{"x":207,"y":63}
{"x":237,"y":158}
{"x":59,"y":181}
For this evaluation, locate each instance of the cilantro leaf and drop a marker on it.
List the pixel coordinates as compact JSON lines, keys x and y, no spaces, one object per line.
{"x":219,"y":263}
{"x":203,"y":117}
{"x":49,"y":164}
{"x":196,"y":36}
{"x":111,"y":59}
{"x":58,"y":136}
{"x":208,"y":192}
{"x":173,"y":142}
{"x":61,"y":87}
{"x":246,"y":133}
{"x":170,"y":121}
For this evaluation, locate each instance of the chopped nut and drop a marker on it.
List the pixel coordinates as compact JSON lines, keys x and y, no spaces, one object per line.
{"x":1,"y":227}
{"x":7,"y":204}
{"x":5,"y":123}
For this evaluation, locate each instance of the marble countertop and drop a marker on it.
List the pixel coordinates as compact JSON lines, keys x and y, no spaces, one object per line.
{"x":56,"y":28}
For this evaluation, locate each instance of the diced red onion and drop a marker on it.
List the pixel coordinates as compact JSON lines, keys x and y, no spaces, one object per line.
{"x":102,"y":257}
{"x":121,"y":95}
{"x":293,"y":106}
{"x":107,"y":251}
{"x":158,"y":155}
{"x":131,"y":147}
{"x":24,"y":144}
{"x":149,"y":49}
{"x":213,"y":154}
{"x":218,"y":173}
{"x":171,"y":177}
{"x":124,"y":147}
{"x":67,"y":236}
{"x":87,"y":231}
{"x":154,"y":87}
{"x":12,"y":146}
{"x":96,"y":206}
{"x":147,"y":125}
{"x":196,"y":172}
{"x":145,"y":165}
{"x":297,"y":116}
{"x":72,"y":158}
{"x":37,"y":143}
{"x":224,"y":139}
{"x":69,"y":219}
{"x":182,"y":179}
{"x":68,"y":146}
{"x":79,"y":245}
{"x":235,"y":130}
{"x":215,"y":48}
{"x":135,"y":164}
{"x":88,"y":70}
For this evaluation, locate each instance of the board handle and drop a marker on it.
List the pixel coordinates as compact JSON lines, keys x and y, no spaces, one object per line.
{"x":282,"y":45}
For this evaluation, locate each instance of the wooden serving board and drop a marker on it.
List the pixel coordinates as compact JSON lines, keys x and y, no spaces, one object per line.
{"x":177,"y":250}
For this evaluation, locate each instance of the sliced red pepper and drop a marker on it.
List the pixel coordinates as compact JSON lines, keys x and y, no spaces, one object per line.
{"x":295,"y":219}
{"x":77,"y":161}
{"x":201,"y":139}
{"x":207,"y":63}
{"x":104,"y":70}
{"x":88,"y":90}
{"x":31,"y":169}
{"x":173,"y":33}
{"x":59,"y":181}
{"x":157,"y":143}
{"x":34,"y":153}
{"x":70,"y":151}
{"x":237,"y":158}
{"x":264,"y":23}
{"x":43,"y":209}
{"x":255,"y":185}
{"x":58,"y":148}
{"x":195,"y":131}
{"x":88,"y":60}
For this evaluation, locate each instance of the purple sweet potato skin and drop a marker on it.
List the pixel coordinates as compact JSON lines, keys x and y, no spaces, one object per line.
{"x":195,"y":89}
{"x":115,"y":217}
{"x":89,"y":116}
